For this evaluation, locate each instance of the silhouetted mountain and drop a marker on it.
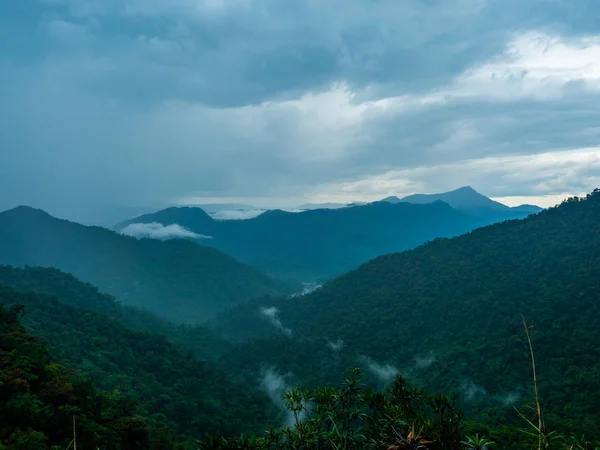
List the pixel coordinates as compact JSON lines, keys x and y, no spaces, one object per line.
{"x":448,"y":315}
{"x":178,"y":279}
{"x":218,"y":207}
{"x":529,"y":209}
{"x":469,"y":200}
{"x":464,"y":197}
{"x":307,"y":206}
{"x":322,"y":243}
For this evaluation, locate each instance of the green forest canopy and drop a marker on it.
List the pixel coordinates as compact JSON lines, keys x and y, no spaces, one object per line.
{"x":448,"y":315}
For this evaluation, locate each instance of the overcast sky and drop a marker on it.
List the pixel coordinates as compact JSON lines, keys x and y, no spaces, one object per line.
{"x":109,"y":104}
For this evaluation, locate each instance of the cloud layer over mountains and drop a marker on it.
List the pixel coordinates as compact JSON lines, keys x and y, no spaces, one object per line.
{"x":159,"y":231}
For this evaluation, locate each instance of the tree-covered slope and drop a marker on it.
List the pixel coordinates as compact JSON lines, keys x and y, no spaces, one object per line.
{"x":39,"y":398}
{"x":202,"y":341}
{"x":449,"y":313}
{"x":172,"y":387}
{"x":318,"y":244}
{"x":178,"y":279}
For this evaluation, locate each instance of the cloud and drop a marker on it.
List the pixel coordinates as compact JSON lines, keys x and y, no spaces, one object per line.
{"x":552,"y":174}
{"x":110,"y":104}
{"x":158,"y":231}
{"x":274,"y":384}
{"x":237,"y":214}
{"x":509,"y":398}
{"x":471,"y":391}
{"x":423,"y":362}
{"x":386,"y":373}
{"x":272,"y":315}
{"x":337,"y":345}
{"x":536,"y":65}
{"x":307,"y":288}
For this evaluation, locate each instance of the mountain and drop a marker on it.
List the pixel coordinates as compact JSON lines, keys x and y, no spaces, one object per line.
{"x":464,"y":197}
{"x":171,"y":388}
{"x":448,"y":315}
{"x":218,"y":207}
{"x":307,"y":206}
{"x":179,"y":279}
{"x":528,"y":209}
{"x":318,"y":244}
{"x":469,"y":200}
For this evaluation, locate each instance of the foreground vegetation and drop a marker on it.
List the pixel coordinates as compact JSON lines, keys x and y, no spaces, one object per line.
{"x":353,"y":417}
{"x":158,"y":381}
{"x":39,"y":398}
{"x":41,"y":401}
{"x":400,"y":417}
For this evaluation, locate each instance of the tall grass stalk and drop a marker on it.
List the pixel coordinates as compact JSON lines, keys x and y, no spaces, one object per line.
{"x":535,"y":388}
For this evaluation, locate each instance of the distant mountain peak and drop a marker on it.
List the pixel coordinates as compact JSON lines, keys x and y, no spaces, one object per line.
{"x":391,"y":199}
{"x":464,"y":197}
{"x":23,"y":210}
{"x":466,"y":189}
{"x":467,"y":199}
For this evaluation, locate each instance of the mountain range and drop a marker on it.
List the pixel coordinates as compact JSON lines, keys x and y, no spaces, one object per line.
{"x":446,"y":315}
{"x":178,"y":279}
{"x":469,"y":200}
{"x":318,"y":244}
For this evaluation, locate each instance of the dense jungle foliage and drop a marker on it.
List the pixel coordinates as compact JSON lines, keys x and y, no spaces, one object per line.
{"x":401,"y":417}
{"x":447,"y":315}
{"x":202,"y":341}
{"x":171,"y":387}
{"x":39,"y":398}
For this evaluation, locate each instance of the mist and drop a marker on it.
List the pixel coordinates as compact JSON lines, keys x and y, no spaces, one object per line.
{"x":472,"y":391}
{"x":274,"y":384}
{"x":237,"y":214}
{"x":156,"y":230}
{"x":423,"y":362}
{"x":272,"y":315}
{"x":385,"y":373}
{"x":336,"y":346}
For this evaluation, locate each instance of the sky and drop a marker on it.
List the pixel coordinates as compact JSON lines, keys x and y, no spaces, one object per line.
{"x":114,"y":106}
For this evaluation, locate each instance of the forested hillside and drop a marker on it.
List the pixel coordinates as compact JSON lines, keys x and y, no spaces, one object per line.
{"x":178,"y":279}
{"x":318,"y":244}
{"x":448,"y":316}
{"x":202,"y":341}
{"x":39,"y":398}
{"x":172,"y":388}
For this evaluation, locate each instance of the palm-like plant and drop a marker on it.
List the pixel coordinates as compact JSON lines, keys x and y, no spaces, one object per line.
{"x":477,"y":443}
